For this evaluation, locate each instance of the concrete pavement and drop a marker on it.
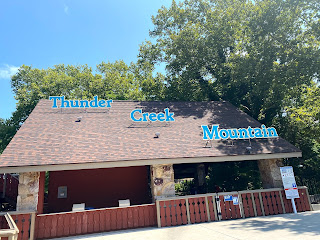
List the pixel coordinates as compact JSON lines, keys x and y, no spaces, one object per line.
{"x":302,"y":226}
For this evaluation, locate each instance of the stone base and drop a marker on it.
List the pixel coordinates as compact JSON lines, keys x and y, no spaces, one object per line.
{"x":162,"y":181}
{"x":270,"y":173}
{"x":28,"y":191}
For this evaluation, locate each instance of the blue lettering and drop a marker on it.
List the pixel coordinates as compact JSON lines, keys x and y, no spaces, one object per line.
{"x":169,"y":115}
{"x":132,"y":115}
{"x":109,"y":103}
{"x":102,"y":103}
{"x":208,"y":135}
{"x":153,"y":117}
{"x":161,"y":117}
{"x":223,"y":133}
{"x":272,"y":132}
{"x":84,"y":103}
{"x":94,"y":102}
{"x":64,"y":102}
{"x":54,"y":98}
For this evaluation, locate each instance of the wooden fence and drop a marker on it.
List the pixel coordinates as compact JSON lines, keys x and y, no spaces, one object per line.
{"x":25,"y":222}
{"x":214,"y":207}
{"x":94,"y":221}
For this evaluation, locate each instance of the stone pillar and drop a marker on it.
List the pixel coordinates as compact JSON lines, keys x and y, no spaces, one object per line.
{"x":162,"y":181}
{"x":200,"y":178}
{"x":28,"y":191}
{"x":270,"y":173}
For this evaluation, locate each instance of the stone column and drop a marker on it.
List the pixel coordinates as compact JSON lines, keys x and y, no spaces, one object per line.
{"x":162,"y":181}
{"x":200,"y":178}
{"x":270,"y":173}
{"x":28,"y":191}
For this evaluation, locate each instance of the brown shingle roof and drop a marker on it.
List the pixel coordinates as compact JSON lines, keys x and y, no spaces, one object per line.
{"x":51,"y":136}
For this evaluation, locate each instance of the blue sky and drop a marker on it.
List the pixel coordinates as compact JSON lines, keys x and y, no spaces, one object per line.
{"x":44,"y":33}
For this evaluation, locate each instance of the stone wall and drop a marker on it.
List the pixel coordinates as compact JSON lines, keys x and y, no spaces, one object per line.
{"x":162,"y":181}
{"x":28,"y":191}
{"x":270,"y":173}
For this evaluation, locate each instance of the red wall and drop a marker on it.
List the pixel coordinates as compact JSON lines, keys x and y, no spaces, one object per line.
{"x":99,"y":188}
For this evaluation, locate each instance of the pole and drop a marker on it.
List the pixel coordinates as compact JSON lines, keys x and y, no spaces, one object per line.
{"x":293,"y":205}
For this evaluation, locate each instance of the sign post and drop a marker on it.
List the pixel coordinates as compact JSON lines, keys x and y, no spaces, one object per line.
{"x":289,"y":185}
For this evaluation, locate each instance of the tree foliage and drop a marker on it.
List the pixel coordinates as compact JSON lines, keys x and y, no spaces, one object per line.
{"x":247,"y":52}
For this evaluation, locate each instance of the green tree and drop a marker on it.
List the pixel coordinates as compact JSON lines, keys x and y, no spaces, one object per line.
{"x":247,"y":52}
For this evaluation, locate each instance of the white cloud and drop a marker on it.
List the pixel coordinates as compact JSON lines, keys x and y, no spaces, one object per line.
{"x":66,"y":9}
{"x":6,"y":71}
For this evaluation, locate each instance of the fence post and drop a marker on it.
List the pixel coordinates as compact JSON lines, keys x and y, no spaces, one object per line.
{"x":282,"y":203}
{"x":254,"y":205}
{"x":214,"y":203}
{"x":158,"y":213}
{"x":308,"y":196}
{"x":188,"y":210}
{"x":261,"y":204}
{"x":241,"y":206}
{"x":208,"y":210}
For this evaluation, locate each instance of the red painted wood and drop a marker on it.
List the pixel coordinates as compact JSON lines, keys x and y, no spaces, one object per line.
{"x":173,"y":213}
{"x":90,"y":222}
{"x":135,"y":218}
{"x":59,"y":226}
{"x":178,"y":212}
{"x":223,"y":208}
{"x":274,"y":203}
{"x":54,"y":224}
{"x":113,"y":220}
{"x":146,"y":212}
{"x":211,"y":208}
{"x":271,"y":211}
{"x":228,"y":208}
{"x":265,"y":203}
{"x":47,"y":229}
{"x":203,"y":213}
{"x":192,"y":210}
{"x":124,"y":213}
{"x":163,"y":214}
{"x":119,"y":219}
{"x":42,"y":180}
{"x":66,"y":223}
{"x":250,"y":204}
{"x":84,"y":223}
{"x":141,"y":217}
{"x":72,"y":224}
{"x":278,"y":200}
{"x":233,"y":210}
{"x":108,"y":220}
{"x":258,"y":205}
{"x":196,"y":210}
{"x":153,"y":215}
{"x":245,"y":205}
{"x":168,"y":213}
{"x":184,"y":211}
{"x":102,"y":220}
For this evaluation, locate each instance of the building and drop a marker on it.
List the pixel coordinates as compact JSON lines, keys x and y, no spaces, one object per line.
{"x":100,"y":156}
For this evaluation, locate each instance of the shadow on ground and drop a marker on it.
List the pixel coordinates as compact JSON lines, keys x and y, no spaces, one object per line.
{"x":308,"y":222}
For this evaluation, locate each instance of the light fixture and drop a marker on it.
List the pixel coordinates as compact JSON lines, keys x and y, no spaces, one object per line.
{"x":79,"y":119}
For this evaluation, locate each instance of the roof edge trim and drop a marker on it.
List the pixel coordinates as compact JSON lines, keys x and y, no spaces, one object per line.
{"x":131,"y":163}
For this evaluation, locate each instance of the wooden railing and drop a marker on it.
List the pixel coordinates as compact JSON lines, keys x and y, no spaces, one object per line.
{"x":12,"y":231}
{"x":25,"y":222}
{"x":94,"y":221}
{"x":213,"y":207}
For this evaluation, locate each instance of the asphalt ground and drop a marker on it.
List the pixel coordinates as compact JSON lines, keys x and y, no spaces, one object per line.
{"x":302,"y":226}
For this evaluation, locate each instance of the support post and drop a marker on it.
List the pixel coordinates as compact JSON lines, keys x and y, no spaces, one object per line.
{"x":162,"y":181}
{"x":28,"y":191}
{"x":270,"y":173}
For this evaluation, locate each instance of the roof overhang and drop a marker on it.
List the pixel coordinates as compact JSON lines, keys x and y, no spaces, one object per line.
{"x":131,"y":163}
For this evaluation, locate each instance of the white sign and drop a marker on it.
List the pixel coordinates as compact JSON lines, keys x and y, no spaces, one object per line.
{"x":235,"y":200}
{"x":289,"y":182}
